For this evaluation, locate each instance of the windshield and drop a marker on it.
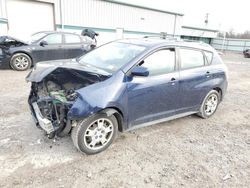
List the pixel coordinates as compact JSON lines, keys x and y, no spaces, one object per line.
{"x":36,"y":37}
{"x":112,"y":56}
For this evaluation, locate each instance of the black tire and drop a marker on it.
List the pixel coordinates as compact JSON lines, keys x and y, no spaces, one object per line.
{"x":20,"y":62}
{"x":79,"y":133}
{"x":65,"y":130}
{"x":202,"y":112}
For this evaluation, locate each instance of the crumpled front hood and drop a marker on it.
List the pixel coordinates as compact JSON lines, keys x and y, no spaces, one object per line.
{"x":7,"y":42}
{"x":42,"y":69}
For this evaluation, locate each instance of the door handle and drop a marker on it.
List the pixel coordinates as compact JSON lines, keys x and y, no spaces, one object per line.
{"x":207,"y":74}
{"x":172,"y":81}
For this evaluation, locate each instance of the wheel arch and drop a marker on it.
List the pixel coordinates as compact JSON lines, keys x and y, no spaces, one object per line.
{"x":23,"y":52}
{"x":219,"y":90}
{"x":118,"y":115}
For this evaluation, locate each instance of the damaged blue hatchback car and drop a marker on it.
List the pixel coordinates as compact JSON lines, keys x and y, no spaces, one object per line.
{"x":123,"y":85}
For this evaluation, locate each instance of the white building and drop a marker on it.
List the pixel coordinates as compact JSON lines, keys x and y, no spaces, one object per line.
{"x":198,"y":33}
{"x":21,"y":18}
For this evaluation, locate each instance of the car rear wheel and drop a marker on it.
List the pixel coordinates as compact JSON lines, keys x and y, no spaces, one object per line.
{"x":95,"y":134}
{"x":20,"y":62}
{"x":209,"y":104}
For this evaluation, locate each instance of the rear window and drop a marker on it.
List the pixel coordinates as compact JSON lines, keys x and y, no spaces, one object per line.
{"x":191,"y":58}
{"x":72,"y":38}
{"x":209,"y":57}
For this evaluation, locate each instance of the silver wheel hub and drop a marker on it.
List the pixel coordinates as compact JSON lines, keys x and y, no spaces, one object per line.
{"x":21,"y":62}
{"x":98,"y":133}
{"x":211,"y":104}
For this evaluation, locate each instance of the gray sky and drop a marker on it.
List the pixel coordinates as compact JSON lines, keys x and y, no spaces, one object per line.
{"x":223,"y":14}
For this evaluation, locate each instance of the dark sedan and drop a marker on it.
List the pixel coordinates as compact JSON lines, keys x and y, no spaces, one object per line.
{"x":246,"y":53}
{"x":44,"y":46}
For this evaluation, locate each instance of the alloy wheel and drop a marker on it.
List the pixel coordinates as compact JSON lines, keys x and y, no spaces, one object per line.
{"x":211,"y":104}
{"x":98,"y":133}
{"x":21,"y":62}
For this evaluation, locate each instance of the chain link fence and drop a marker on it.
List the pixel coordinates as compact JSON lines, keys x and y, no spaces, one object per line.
{"x":237,"y":45}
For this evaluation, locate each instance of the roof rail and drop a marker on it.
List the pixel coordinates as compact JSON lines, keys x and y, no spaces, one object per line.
{"x":189,"y":40}
{"x":152,"y":36}
{"x":196,"y":41}
{"x":163,"y":35}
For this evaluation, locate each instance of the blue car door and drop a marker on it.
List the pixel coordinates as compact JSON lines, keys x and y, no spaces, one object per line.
{"x":156,"y":96}
{"x":195,"y":77}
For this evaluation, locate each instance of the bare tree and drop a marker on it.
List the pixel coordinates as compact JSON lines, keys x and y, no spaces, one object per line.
{"x":232,"y":34}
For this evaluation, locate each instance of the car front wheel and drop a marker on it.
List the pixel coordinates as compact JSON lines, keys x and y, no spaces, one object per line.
{"x":95,"y":134}
{"x":209,"y":104}
{"x":20,"y":62}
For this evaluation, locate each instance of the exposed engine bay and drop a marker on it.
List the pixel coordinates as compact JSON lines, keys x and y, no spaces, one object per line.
{"x":52,"y":97}
{"x":7,"y":42}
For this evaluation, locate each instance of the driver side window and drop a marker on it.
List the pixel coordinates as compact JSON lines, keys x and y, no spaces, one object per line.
{"x":53,"y":39}
{"x":160,"y":62}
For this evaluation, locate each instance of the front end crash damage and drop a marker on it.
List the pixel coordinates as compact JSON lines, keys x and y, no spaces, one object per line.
{"x":52,"y":97}
{"x":7,"y":44}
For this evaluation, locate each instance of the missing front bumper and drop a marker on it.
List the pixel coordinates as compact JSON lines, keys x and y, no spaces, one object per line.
{"x":44,"y":123}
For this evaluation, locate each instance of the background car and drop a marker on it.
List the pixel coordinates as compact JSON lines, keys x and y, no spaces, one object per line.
{"x":43,"y":46}
{"x":246,"y":53}
{"x":124,"y":85}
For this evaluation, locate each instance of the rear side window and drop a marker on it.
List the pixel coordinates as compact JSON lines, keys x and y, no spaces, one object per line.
{"x":191,"y":58}
{"x":209,"y":56}
{"x":160,"y":62}
{"x":72,"y":38}
{"x":53,"y":39}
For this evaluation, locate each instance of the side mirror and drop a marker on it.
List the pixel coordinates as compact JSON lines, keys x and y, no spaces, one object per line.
{"x":43,"y":43}
{"x":139,"y":71}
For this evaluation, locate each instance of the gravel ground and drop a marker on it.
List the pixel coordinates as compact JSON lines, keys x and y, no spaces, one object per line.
{"x":187,"y":152}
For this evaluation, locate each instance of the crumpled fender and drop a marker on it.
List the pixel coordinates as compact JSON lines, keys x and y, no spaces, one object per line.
{"x":99,"y":96}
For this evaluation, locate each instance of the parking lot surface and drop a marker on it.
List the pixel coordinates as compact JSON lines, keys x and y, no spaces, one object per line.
{"x":187,"y":152}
